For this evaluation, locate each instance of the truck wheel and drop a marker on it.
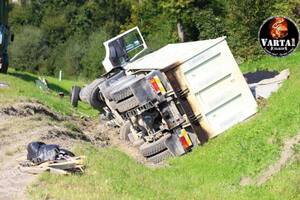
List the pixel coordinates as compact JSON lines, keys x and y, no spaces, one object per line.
{"x":94,"y":98}
{"x":75,"y":95}
{"x":91,"y":94}
{"x":124,"y":131}
{"x":160,"y":157}
{"x":4,"y":68}
{"x":5,"y":63}
{"x":149,"y":149}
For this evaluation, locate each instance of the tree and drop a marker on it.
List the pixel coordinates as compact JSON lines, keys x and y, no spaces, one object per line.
{"x":28,"y":49}
{"x":94,"y":54}
{"x":242,"y":25}
{"x":178,"y":10}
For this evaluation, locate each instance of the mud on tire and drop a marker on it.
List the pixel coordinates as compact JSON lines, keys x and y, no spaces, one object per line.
{"x":75,"y":95}
{"x":150,"y":149}
{"x":124,"y":131}
{"x":160,"y":157}
{"x":91,"y":94}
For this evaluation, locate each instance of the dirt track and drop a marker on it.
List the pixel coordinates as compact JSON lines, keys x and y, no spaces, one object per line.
{"x":287,"y":155}
{"x":22,"y":123}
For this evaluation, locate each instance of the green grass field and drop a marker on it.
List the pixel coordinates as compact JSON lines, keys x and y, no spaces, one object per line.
{"x":22,"y":87}
{"x":212,"y":171}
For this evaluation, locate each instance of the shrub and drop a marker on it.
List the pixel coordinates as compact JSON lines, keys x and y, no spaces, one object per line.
{"x":28,"y":50}
{"x":93,"y":55}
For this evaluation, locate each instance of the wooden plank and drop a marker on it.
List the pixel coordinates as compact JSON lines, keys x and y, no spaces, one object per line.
{"x":58,"y":171}
{"x":33,"y":170}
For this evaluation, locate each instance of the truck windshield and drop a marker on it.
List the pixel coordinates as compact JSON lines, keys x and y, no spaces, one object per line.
{"x":123,"y":48}
{"x":133,"y":44}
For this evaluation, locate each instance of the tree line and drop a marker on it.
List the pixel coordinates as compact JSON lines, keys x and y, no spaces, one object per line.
{"x":53,"y":35}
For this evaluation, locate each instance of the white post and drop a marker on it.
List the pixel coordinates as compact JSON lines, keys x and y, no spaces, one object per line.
{"x":60,"y":75}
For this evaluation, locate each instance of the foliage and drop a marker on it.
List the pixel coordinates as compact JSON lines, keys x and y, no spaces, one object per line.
{"x":29,"y":49}
{"x":289,"y":8}
{"x":93,"y":55}
{"x":242,"y":25}
{"x":72,"y":31}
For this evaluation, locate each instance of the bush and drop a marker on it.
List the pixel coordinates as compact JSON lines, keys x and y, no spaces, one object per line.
{"x":28,"y":50}
{"x":68,"y":35}
{"x":209,"y":25}
{"x":72,"y":56}
{"x":94,"y":54}
{"x":242,"y":25}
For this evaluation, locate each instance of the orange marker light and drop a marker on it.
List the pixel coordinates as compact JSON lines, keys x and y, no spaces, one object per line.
{"x":185,"y":139}
{"x":160,"y":85}
{"x":154,"y":85}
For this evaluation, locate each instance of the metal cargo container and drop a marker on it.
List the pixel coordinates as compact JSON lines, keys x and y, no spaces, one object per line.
{"x":207,"y":81}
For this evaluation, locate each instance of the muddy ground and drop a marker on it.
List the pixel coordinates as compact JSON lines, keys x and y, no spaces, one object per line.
{"x":22,"y":123}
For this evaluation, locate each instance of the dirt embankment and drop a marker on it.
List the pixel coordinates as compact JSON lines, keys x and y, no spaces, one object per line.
{"x":287,"y":155}
{"x":22,"y":123}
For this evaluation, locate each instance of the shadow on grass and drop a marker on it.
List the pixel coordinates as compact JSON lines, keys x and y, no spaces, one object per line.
{"x":57,"y":88}
{"x":30,"y":78}
{"x":25,"y":77}
{"x":255,"y":77}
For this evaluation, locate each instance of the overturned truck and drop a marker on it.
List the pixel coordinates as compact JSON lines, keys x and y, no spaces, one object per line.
{"x":170,"y":100}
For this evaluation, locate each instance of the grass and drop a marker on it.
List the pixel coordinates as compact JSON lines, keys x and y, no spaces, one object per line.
{"x":22,"y":86}
{"x":212,"y":171}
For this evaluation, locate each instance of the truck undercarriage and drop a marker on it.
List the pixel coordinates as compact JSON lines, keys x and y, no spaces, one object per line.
{"x":147,"y":110}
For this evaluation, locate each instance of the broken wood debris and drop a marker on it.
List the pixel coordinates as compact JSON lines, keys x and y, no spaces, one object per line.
{"x":63,"y":167}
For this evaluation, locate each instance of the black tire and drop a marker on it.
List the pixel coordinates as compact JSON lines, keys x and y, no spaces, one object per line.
{"x":95,"y":100}
{"x":75,"y":95}
{"x":149,"y":149}
{"x":124,"y":131}
{"x":4,"y":68}
{"x":91,"y":94}
{"x":160,"y":157}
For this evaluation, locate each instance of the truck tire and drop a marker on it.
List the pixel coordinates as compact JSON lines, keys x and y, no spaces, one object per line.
{"x":160,"y":157}
{"x":75,"y":95}
{"x":124,"y":131}
{"x":149,"y":149}
{"x":5,"y":63}
{"x":91,"y":94}
{"x":94,"y":97}
{"x":4,"y":68}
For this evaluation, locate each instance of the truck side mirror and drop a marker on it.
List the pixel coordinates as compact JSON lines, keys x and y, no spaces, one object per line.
{"x":12,"y":37}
